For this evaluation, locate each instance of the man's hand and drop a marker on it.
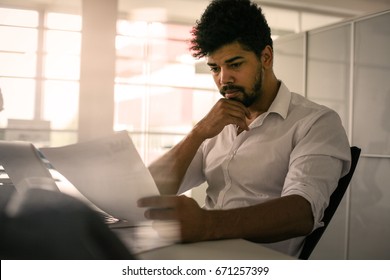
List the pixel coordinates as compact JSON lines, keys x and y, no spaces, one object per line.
{"x":184,"y":210}
{"x":223,"y":113}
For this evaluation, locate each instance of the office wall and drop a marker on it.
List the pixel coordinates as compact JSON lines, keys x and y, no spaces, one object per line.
{"x":347,"y":67}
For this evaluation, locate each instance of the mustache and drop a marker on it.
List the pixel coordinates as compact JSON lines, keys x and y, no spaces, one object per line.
{"x":231,"y":87}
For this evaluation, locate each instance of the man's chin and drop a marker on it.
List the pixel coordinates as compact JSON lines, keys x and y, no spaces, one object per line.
{"x":235,"y":99}
{"x":248,"y":102}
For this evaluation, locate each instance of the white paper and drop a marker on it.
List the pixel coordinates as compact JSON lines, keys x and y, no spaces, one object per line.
{"x":108,"y":171}
{"x":24,"y":166}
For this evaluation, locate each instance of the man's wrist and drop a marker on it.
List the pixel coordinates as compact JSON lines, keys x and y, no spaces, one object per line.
{"x":196,"y":135}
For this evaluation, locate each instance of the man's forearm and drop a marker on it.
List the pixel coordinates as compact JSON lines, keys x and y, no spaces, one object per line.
{"x":169,"y":170}
{"x":272,"y":221}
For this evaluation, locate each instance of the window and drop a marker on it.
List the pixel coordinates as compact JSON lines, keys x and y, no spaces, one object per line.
{"x":39,"y":74}
{"x":61,"y":64}
{"x":159,"y":93}
{"x":18,"y":56}
{"x":160,"y":90}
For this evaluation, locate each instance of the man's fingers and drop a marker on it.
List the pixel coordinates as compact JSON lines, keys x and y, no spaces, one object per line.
{"x":157,"y":201}
{"x":238,"y":113}
{"x":242,"y":124}
{"x":236,"y":106}
{"x":160,"y":207}
{"x":161,"y":214}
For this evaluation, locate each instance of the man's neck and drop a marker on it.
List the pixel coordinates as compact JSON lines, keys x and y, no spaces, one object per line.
{"x":270,"y":90}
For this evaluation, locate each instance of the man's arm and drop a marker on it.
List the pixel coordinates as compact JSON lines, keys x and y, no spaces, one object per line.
{"x":272,"y":221}
{"x":169,"y":170}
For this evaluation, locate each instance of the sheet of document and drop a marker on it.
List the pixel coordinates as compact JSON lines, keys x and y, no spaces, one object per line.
{"x":108,"y":171}
{"x":24,"y":166}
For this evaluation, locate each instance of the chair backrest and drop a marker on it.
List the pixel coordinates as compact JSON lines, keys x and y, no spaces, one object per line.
{"x":335,"y":199}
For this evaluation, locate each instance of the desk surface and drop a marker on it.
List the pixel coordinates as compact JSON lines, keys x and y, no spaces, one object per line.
{"x":234,"y":249}
{"x":231,"y":249}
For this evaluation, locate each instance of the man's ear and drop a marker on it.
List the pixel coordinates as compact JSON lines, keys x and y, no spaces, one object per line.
{"x":267,"y":57}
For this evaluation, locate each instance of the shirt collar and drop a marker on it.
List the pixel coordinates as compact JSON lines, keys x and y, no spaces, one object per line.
{"x":281,"y":102}
{"x":279,"y":106}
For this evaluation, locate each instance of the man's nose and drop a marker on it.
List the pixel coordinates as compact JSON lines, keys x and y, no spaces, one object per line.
{"x":225,"y":77}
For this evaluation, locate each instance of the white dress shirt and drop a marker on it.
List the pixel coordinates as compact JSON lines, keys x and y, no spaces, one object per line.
{"x":296,"y":147}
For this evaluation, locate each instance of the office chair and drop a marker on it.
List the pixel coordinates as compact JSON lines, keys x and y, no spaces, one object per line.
{"x":335,"y":199}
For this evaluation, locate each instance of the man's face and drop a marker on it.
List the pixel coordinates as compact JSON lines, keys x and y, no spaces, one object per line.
{"x":237,"y":73}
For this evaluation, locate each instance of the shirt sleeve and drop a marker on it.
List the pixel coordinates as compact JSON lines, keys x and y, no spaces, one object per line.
{"x":194,"y":175}
{"x":319,"y":159}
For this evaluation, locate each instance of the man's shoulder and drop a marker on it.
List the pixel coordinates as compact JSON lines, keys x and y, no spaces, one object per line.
{"x":301,"y":103}
{"x":296,"y":102}
{"x":306,"y":111}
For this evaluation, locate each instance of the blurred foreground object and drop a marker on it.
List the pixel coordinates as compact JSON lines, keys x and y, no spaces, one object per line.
{"x":43,"y":224}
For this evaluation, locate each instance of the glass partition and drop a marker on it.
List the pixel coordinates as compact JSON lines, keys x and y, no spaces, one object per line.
{"x":328,"y":69}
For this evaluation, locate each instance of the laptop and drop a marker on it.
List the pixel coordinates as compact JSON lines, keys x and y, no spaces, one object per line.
{"x":24,"y":167}
{"x":107,"y":173}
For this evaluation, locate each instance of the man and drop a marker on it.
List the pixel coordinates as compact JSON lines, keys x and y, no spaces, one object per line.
{"x":271,"y":158}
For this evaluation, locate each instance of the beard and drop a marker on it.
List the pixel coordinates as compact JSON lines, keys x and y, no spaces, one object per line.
{"x":248,"y":98}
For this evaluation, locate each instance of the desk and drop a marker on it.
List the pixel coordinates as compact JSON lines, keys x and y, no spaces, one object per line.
{"x":231,"y":249}
{"x":234,"y":249}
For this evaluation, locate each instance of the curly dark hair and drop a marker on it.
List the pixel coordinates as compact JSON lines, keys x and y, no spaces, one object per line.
{"x":228,"y":21}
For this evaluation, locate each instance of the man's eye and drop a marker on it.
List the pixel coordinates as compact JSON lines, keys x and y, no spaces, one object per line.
{"x":235,"y":65}
{"x":214,"y":69}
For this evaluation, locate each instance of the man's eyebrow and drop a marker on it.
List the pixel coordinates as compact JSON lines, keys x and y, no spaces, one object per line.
{"x":230,"y":60}
{"x":233,"y":59}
